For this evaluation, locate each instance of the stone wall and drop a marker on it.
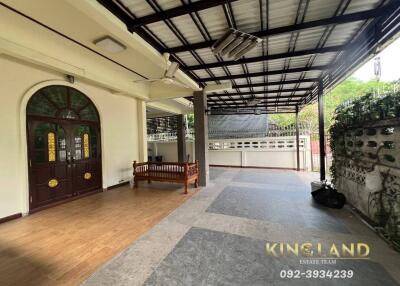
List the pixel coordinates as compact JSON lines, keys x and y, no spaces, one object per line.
{"x":367,"y":167}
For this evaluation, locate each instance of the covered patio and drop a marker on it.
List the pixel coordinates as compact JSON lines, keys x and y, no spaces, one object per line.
{"x":218,"y":237}
{"x":80,"y":81}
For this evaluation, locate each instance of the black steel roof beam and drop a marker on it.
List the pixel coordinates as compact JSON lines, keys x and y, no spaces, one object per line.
{"x":265,"y":98}
{"x":366,"y":40}
{"x":342,"y":19}
{"x":269,"y":57}
{"x":258,"y":92}
{"x":274,"y":72}
{"x":262,"y":111}
{"x":306,"y":80}
{"x":243,"y":105}
{"x":176,"y":12}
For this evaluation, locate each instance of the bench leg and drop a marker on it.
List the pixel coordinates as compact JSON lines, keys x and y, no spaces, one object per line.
{"x":196,"y":183}
{"x":135,"y":185}
{"x":186,"y":188}
{"x":149,"y":181}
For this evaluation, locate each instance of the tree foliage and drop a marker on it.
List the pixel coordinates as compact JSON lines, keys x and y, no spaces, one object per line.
{"x":349,"y":89}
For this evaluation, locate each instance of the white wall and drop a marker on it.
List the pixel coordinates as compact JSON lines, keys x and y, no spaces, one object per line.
{"x":270,"y":152}
{"x":169,"y":150}
{"x":250,"y":158}
{"x":119,"y":129}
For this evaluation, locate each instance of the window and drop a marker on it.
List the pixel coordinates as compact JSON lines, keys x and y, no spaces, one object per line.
{"x":62,"y":102}
{"x":49,"y":143}
{"x":85,"y":142}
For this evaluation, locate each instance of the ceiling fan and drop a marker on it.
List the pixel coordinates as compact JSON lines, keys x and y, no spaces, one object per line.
{"x":169,"y":75}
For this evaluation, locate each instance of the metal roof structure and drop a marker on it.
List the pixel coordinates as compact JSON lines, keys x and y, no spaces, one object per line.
{"x":165,"y":124}
{"x":237,"y":126}
{"x":305,"y":42}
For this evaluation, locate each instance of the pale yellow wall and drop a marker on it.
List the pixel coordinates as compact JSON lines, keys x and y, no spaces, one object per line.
{"x":119,"y":127}
{"x":142,"y":130}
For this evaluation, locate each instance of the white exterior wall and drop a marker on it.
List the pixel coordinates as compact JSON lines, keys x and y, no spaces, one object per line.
{"x":169,"y":150}
{"x":119,"y":130}
{"x":277,"y":152}
{"x":271,"y":152}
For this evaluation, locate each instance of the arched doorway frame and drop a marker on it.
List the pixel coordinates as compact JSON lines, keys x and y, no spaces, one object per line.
{"x":23,"y":145}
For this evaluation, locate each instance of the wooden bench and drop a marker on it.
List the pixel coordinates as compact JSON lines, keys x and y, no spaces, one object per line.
{"x":184,"y":173}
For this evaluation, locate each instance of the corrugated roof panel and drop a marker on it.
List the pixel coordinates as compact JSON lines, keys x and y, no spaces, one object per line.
{"x":238,"y":69}
{"x":241,"y":10}
{"x":257,"y":79}
{"x":305,"y":84}
{"x":164,"y":33}
{"x":241,"y":81}
{"x":188,"y":29}
{"x":201,"y":73}
{"x":299,"y":62}
{"x":309,"y":38}
{"x":138,"y":7}
{"x":215,"y":22}
{"x":218,"y":71}
{"x":343,"y":33}
{"x":362,"y":5}
{"x":278,"y":44}
{"x":282,"y":13}
{"x":320,"y":9}
{"x":169,"y":4}
{"x":275,"y":64}
{"x":324,"y":59}
{"x":255,"y":67}
{"x":188,"y":58}
{"x":272,"y":78}
{"x":292,"y":76}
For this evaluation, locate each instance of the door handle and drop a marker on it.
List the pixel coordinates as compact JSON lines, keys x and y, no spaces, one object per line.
{"x":69,"y":158}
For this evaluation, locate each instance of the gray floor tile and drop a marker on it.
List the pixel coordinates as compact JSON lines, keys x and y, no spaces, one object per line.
{"x":268,"y":177}
{"x":205,"y":257}
{"x":275,"y":206}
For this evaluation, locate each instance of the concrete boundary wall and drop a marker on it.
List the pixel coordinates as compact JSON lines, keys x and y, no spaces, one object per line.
{"x":270,"y":152}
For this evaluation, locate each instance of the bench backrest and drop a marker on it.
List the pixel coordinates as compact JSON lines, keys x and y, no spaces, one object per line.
{"x":165,"y":169}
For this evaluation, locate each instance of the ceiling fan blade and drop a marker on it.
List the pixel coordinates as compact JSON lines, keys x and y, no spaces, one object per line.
{"x":172,"y":69}
{"x":166,"y":56}
{"x":147,"y":80}
{"x":178,"y":83}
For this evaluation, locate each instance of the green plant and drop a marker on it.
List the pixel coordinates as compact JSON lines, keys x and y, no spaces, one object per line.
{"x":351,"y":120}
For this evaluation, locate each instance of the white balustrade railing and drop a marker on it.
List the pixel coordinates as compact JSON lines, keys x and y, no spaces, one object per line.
{"x":168,"y":136}
{"x":274,"y":143}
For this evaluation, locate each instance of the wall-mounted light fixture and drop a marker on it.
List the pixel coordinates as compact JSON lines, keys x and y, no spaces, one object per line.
{"x":109,"y":44}
{"x":234,"y":44}
{"x":70,"y":78}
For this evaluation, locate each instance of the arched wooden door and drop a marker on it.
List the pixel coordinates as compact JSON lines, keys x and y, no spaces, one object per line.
{"x":63,"y":146}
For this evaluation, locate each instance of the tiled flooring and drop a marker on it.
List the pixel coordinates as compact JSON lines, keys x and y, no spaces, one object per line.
{"x":63,"y":245}
{"x":218,"y":237}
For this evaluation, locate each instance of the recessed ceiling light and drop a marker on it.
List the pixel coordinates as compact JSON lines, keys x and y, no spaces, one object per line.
{"x":109,"y":44}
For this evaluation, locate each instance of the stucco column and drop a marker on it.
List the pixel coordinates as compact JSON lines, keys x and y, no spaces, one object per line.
{"x":181,"y":137}
{"x":298,"y":141}
{"x":201,"y":135}
{"x":142,"y":130}
{"x":321,"y":128}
